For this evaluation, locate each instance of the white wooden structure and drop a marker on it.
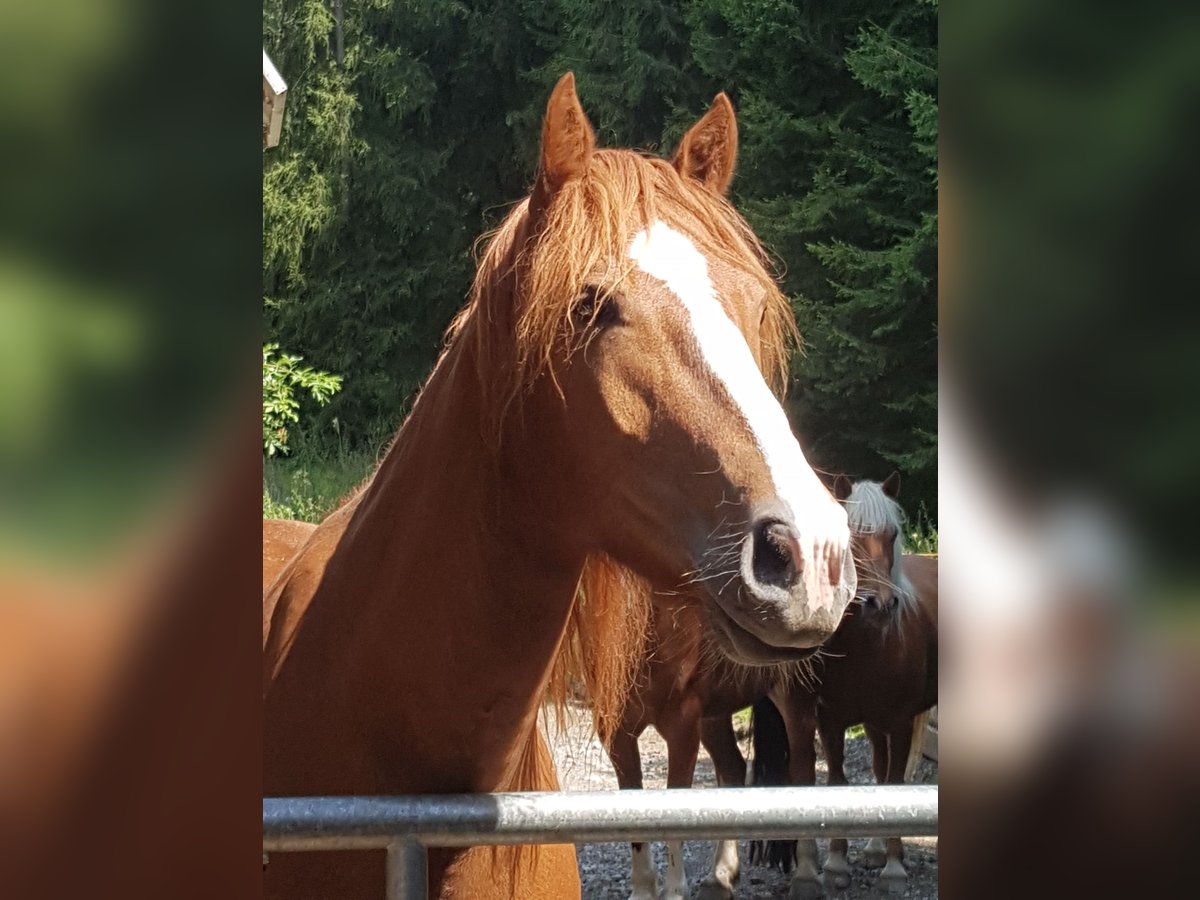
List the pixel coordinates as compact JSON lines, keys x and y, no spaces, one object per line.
{"x":931,"y":736}
{"x":274,"y":90}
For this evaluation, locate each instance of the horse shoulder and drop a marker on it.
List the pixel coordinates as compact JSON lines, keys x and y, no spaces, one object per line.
{"x":282,"y":539}
{"x":287,"y":597}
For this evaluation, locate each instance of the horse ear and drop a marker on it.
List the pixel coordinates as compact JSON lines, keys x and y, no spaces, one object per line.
{"x":891,"y":485}
{"x":841,"y":488}
{"x":708,"y":151}
{"x":567,"y":138}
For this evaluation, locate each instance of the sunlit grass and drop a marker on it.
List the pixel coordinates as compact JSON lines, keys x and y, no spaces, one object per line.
{"x":921,"y":535}
{"x":309,"y":487}
{"x":742,"y":720}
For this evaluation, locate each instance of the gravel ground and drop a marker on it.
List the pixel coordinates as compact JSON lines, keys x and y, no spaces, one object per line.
{"x":583,"y":765}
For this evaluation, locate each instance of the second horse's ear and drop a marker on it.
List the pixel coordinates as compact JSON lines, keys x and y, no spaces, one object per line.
{"x":708,"y":152}
{"x":891,"y":485}
{"x":841,"y":488}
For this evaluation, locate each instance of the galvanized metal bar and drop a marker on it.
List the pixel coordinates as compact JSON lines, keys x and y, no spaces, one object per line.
{"x":407,"y":871}
{"x":463,"y":820}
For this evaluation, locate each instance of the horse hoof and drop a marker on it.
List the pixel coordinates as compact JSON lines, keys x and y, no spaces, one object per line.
{"x":874,"y":857}
{"x":805,"y":890}
{"x":714,"y":890}
{"x":837,"y":878}
{"x":894,"y":878}
{"x":894,"y":885}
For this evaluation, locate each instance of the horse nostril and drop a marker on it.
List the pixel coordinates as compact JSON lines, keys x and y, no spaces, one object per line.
{"x":777,"y":558}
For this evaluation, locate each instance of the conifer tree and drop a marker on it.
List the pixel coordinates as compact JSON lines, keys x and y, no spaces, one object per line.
{"x":412,"y":127}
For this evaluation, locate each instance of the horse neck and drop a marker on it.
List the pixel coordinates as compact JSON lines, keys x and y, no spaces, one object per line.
{"x":443,"y":601}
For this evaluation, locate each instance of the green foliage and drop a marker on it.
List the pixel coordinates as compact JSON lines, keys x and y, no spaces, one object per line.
{"x":838,"y":111}
{"x":282,"y":377}
{"x":395,"y":158}
{"x":310,"y":485}
{"x":921,"y":535}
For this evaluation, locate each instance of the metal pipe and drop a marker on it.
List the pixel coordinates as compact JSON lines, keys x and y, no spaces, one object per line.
{"x":407,"y":877}
{"x":464,"y":820}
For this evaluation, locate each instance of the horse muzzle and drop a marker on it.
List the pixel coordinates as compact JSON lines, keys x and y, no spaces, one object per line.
{"x":794,"y":590}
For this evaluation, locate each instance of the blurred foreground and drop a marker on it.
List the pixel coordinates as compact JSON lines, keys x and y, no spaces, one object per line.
{"x":1070,"y":698}
{"x":129,"y":299}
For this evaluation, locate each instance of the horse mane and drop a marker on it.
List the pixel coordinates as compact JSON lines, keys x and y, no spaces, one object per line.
{"x":604,"y":642}
{"x":600,"y":651}
{"x":870,"y":511}
{"x":535,"y":265}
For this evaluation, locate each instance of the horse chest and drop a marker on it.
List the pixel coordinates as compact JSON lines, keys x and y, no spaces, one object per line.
{"x":877,"y":674}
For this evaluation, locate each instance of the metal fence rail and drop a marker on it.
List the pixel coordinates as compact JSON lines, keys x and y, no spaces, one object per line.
{"x":405,"y":826}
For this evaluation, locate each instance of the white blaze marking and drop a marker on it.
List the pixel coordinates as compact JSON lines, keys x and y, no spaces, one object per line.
{"x":673,"y":259}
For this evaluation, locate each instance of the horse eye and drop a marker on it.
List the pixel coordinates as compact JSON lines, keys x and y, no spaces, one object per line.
{"x":594,"y":308}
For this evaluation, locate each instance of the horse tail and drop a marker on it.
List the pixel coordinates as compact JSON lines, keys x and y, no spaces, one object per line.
{"x":769,"y":739}
{"x":771,"y":757}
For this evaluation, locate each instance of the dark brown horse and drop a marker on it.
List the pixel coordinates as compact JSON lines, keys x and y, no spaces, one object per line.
{"x":601,"y":402}
{"x":688,"y":691}
{"x":879,"y":669}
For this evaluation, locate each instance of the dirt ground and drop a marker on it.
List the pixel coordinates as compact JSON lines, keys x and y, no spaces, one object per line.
{"x":583,"y":765}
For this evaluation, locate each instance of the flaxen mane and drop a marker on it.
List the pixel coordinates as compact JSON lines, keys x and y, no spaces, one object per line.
{"x":870,"y":511}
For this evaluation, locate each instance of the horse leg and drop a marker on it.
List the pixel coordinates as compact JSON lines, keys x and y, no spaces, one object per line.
{"x":837,"y":865}
{"x":894,"y":876}
{"x":875,"y":854}
{"x":627,"y":761}
{"x":716,"y":734}
{"x":800,"y":719}
{"x":682,"y":734}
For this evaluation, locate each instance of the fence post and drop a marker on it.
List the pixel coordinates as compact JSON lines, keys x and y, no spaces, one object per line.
{"x":407,"y":876}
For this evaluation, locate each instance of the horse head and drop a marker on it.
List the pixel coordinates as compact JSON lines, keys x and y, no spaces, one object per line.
{"x":876,"y":538}
{"x":626,"y":315}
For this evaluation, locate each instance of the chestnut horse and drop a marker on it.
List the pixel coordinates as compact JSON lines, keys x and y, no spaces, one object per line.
{"x":601,"y":403}
{"x":879,"y":669}
{"x":282,"y":538}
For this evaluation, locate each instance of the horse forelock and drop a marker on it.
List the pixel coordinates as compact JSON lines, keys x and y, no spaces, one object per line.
{"x":534,"y":266}
{"x":871,"y":511}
